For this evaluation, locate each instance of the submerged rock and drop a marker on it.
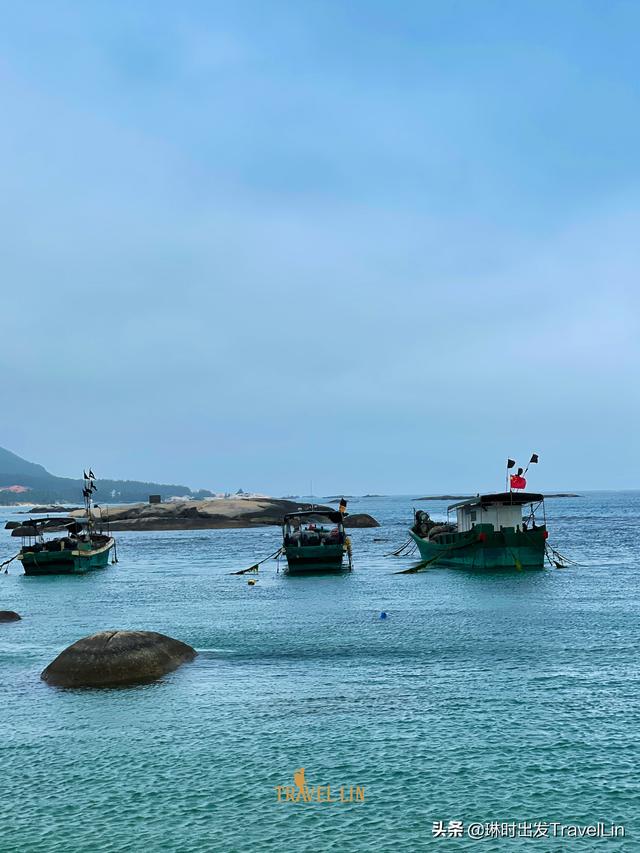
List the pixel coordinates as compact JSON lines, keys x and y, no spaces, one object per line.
{"x":110,"y":658}
{"x":9,"y":616}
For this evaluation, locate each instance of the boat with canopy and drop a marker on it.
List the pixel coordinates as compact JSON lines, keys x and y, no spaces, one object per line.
{"x":315,"y":541}
{"x":81,"y":548}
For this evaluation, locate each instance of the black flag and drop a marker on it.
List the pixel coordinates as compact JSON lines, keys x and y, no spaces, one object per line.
{"x":343,"y":506}
{"x":511,"y":463}
{"x":534,"y":458}
{"x":91,"y":474}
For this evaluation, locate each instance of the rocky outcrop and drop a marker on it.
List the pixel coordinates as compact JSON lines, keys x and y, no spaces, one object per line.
{"x":110,"y":658}
{"x":210,"y":514}
{"x":9,"y":616}
{"x":50,"y":510}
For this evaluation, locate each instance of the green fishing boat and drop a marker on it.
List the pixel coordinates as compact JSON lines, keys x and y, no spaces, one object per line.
{"x":498,"y":531}
{"x":81,"y":548}
{"x":315,"y":541}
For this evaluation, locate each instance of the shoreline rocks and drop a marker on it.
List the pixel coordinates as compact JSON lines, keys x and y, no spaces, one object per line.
{"x":113,"y":658}
{"x":50,"y":510}
{"x":210,"y":515}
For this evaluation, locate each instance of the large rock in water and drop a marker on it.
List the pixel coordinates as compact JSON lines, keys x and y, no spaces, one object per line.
{"x":9,"y":616}
{"x":110,"y":658}
{"x":360,"y":519}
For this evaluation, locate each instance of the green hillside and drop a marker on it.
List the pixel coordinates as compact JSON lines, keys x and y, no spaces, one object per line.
{"x":11,"y":463}
{"x":40,"y":486}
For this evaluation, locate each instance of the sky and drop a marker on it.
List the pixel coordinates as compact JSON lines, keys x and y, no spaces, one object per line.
{"x":376,"y":247}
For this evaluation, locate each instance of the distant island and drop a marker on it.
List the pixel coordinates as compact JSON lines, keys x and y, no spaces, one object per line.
{"x":468,"y":497}
{"x":22,"y":481}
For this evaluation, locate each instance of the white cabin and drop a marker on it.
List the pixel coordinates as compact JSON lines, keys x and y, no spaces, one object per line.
{"x":500,"y":510}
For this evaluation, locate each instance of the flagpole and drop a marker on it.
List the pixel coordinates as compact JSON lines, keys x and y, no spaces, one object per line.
{"x":534,"y":458}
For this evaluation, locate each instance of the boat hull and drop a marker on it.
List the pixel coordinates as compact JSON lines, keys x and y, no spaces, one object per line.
{"x":306,"y":559}
{"x":485,"y":551}
{"x":66,"y":561}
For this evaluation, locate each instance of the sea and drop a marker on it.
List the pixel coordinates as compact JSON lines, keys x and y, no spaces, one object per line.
{"x":484,"y":711}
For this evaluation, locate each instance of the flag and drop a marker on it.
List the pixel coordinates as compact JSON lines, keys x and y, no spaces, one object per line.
{"x":343,"y":506}
{"x":518,"y":481}
{"x":534,"y":459}
{"x":511,"y":463}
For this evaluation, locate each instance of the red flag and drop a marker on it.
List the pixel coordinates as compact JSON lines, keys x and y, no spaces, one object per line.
{"x":518,"y":482}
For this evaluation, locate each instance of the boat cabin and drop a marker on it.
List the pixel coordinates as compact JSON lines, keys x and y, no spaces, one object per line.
{"x":313,"y":528}
{"x":503,"y":511}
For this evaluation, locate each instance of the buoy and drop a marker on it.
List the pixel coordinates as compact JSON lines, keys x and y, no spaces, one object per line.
{"x":251,"y":582}
{"x":383,"y":614}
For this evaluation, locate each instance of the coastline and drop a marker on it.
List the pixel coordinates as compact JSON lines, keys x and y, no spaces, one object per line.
{"x":217,"y":514}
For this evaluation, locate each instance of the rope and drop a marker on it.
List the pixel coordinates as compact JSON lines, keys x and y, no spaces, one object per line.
{"x":398,"y":552}
{"x":6,"y":563}
{"x":414,"y":569}
{"x":516,"y":562}
{"x":254,"y":567}
{"x":557,"y":559}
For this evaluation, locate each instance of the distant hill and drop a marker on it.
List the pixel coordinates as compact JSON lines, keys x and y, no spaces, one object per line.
{"x":22,"y":481}
{"x":11,"y":463}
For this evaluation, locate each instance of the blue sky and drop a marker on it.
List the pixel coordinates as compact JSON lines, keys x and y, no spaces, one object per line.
{"x":376,"y":245}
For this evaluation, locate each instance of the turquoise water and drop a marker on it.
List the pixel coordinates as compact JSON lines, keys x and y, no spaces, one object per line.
{"x":496,"y":697}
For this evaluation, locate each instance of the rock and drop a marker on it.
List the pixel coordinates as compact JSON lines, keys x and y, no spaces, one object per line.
{"x":9,"y":616}
{"x":50,"y":510}
{"x":209,"y":514}
{"x":110,"y":658}
{"x":360,"y":519}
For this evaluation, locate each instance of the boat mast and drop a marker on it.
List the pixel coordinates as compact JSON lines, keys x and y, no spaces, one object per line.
{"x":87,"y":494}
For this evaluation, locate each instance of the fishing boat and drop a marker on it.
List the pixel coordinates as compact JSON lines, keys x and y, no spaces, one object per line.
{"x":315,"y":541}
{"x":494,"y":531}
{"x":81,"y":548}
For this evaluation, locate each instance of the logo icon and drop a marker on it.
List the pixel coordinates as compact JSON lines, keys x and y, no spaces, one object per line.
{"x":301,"y":792}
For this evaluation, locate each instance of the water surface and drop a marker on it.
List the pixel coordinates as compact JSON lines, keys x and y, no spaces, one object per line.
{"x":482,"y":697}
